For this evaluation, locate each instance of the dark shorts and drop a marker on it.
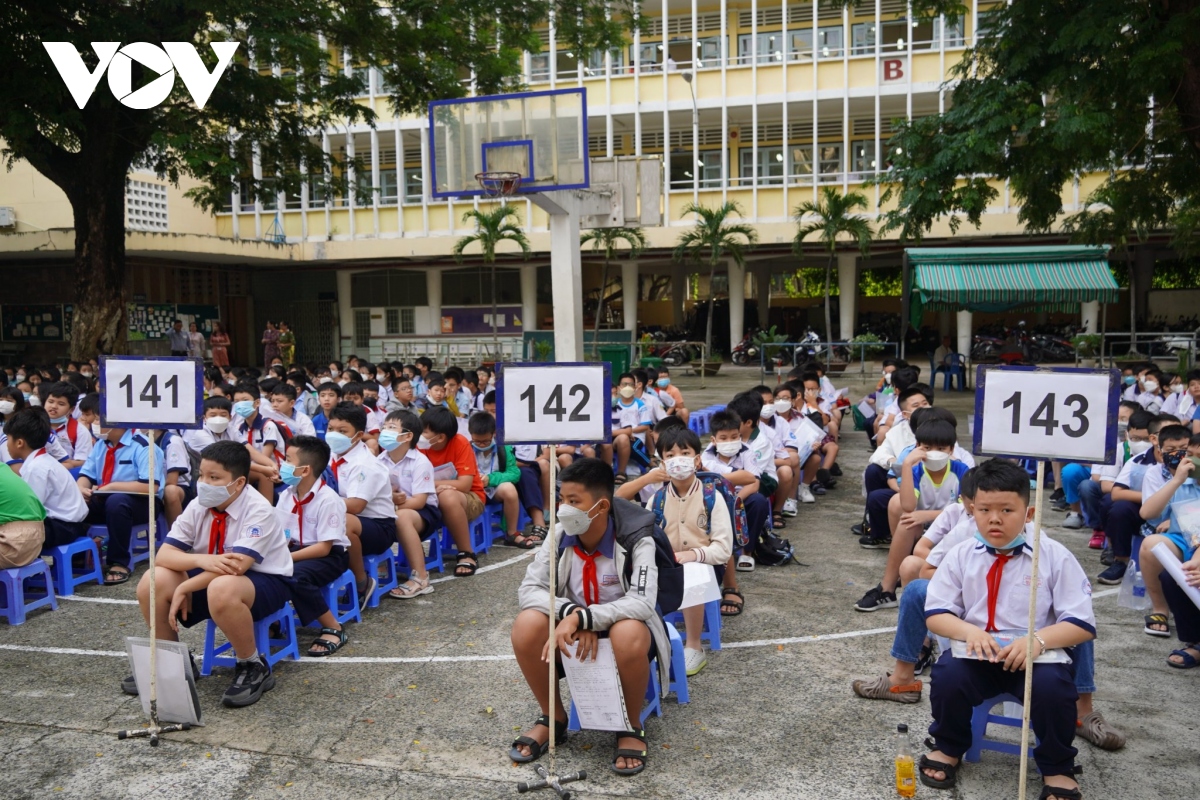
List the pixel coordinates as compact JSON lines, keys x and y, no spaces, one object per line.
{"x":432,"y":519}
{"x":650,"y":655}
{"x":377,"y":536}
{"x":271,"y":593}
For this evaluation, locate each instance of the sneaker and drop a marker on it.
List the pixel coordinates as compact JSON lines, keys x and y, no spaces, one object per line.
{"x":1097,"y":540}
{"x":789,"y":508}
{"x":805,"y":494}
{"x":1074,"y":521}
{"x":835,"y":470}
{"x":1114,"y":574}
{"x":817,"y":488}
{"x":693,"y":661}
{"x":929,"y":655}
{"x":881,"y":689}
{"x":745,"y":563}
{"x":1060,"y":505}
{"x":1107,"y":557}
{"x":868,"y":542}
{"x":129,"y":684}
{"x":858,"y":530}
{"x":250,"y":680}
{"x":876,"y":599}
{"x":1057,"y":494}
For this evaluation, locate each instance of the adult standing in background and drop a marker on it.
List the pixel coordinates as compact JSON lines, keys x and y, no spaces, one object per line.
{"x":196,"y":343}
{"x":287,"y":345}
{"x":270,"y":343}
{"x":220,"y":345}
{"x":178,"y":339}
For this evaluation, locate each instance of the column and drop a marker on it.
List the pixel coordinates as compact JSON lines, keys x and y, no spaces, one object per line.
{"x":1089,"y":314}
{"x":847,"y":276}
{"x":963,"y":319}
{"x":679,"y":295}
{"x":566,"y":278}
{"x":529,"y":297}
{"x":943,"y":323}
{"x":345,"y":315}
{"x":762,"y":294}
{"x":737,"y":304}
{"x":433,"y":292}
{"x":629,"y":293}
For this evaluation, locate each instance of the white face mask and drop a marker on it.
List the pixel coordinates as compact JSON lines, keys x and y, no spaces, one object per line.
{"x":936,"y":460}
{"x":7,"y":407}
{"x":96,"y":429}
{"x":729,"y":448}
{"x":783,"y":406}
{"x":423,"y":444}
{"x":887,"y":378}
{"x":217,"y":424}
{"x":1177,"y":388}
{"x":211,"y":496}
{"x":1137,"y":448}
{"x":1151,"y":386}
{"x":680,"y":467}
{"x":768,"y":411}
{"x":575,"y":521}
{"x":626,"y":392}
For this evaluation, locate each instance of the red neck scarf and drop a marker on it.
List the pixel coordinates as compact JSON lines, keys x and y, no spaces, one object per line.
{"x":298,"y":508}
{"x":334,"y":467}
{"x":591,"y":585}
{"x":110,"y":463}
{"x":993,"y":583}
{"x":216,"y":534}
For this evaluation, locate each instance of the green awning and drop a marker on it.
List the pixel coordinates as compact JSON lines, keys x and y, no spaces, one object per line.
{"x":1001,"y":278}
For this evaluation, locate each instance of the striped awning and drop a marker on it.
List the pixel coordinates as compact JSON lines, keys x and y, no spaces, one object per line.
{"x":1002,"y":278}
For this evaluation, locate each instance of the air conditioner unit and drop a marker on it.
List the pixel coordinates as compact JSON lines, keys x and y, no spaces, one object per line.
{"x":8,"y":217}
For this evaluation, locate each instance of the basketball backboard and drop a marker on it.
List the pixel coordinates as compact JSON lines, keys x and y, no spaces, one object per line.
{"x":541,"y":135}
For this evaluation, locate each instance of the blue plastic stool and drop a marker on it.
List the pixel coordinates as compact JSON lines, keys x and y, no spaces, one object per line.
{"x":653,"y":702}
{"x":711,"y":635}
{"x":371,"y":565}
{"x":979,"y":722}
{"x":65,"y":577}
{"x":344,"y":610}
{"x":478,"y":530}
{"x":433,"y":560}
{"x":139,"y":540}
{"x":679,"y":683}
{"x":494,"y":514}
{"x":288,"y":647}
{"x":16,"y":603}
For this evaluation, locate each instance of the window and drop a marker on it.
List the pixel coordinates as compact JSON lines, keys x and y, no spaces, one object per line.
{"x":802,"y":161}
{"x":766,"y":49}
{"x":388,"y":287}
{"x":473,"y":286}
{"x":362,"y":328}
{"x":862,"y":155}
{"x":145,"y":206}
{"x":649,"y":56}
{"x":595,"y":66}
{"x":408,"y":320}
{"x":986,"y":26}
{"x":953,"y":32}
{"x":829,"y":43}
{"x":685,"y":169}
{"x":414,"y":184}
{"x":862,"y":39}
{"x":770,"y":165}
{"x":400,"y":321}
{"x":391,"y":318}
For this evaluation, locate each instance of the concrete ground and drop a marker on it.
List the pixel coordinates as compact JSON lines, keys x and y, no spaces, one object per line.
{"x":426,"y":698}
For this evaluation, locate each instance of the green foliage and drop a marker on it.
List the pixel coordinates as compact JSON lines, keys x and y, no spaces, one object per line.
{"x":609,"y":239}
{"x":835,"y":218}
{"x":501,"y":224}
{"x":865,"y":353}
{"x":713,"y":238}
{"x":1086,"y":344}
{"x":1057,"y":90}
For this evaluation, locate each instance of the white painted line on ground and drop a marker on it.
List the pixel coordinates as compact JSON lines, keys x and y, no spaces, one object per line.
{"x":65,"y":651}
{"x":488,"y":568}
{"x":801,"y":639}
{"x":108,"y":600}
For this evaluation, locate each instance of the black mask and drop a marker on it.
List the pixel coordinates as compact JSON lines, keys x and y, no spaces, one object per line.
{"x":1172,"y":460}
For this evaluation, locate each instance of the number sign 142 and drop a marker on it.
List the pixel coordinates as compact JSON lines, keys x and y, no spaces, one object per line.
{"x":554,"y":403}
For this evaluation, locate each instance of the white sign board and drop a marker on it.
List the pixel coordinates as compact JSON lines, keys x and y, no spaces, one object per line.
{"x":1062,"y":413}
{"x":151,"y":392}
{"x":553,"y":403}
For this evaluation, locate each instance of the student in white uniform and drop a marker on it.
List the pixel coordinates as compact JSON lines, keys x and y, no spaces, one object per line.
{"x":366,"y":486}
{"x":216,"y":428}
{"x":59,"y":401}
{"x":313,"y":517}
{"x":262,"y":438}
{"x":631,"y":421}
{"x":283,"y":409}
{"x":970,"y":597}
{"x":66,"y":512}
{"x":414,"y":493}
{"x":224,"y":557}
{"x":177,"y":492}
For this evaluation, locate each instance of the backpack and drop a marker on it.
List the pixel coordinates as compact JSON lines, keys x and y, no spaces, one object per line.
{"x":773,"y":551}
{"x":670,"y":571}
{"x":714,"y":486}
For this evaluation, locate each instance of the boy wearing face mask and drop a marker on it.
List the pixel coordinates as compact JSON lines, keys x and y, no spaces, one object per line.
{"x":217,"y":418}
{"x":695,"y":534}
{"x":1151,"y":397}
{"x":1141,"y":455}
{"x":731,"y":458}
{"x":313,"y":518}
{"x":413,"y":492}
{"x":631,"y":420}
{"x":59,"y":399}
{"x":282,"y":408}
{"x":365,"y":485}
{"x":668,"y":389}
{"x":607,"y":587}
{"x":261,"y":436}
{"x":224,"y":559}
{"x":790,"y":394}
{"x":499,"y":472}
{"x":435,"y":393}
{"x":1177,"y":402}
{"x":456,"y":478}
{"x":821,"y":413}
{"x":786,"y":455}
{"x":329,"y":394}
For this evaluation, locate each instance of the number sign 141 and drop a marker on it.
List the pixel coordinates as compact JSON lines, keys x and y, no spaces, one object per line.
{"x":553,"y":403}
{"x":151,"y":392}
{"x":1067,"y":414}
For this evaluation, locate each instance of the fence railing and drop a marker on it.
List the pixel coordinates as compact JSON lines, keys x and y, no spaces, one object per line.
{"x":460,"y":351}
{"x":827,"y":352}
{"x":1149,"y":345}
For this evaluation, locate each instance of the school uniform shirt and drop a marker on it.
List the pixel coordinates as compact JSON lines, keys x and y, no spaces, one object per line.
{"x":200,"y":438}
{"x":360,"y":476}
{"x":958,"y":454}
{"x":951,"y":515}
{"x":632,"y":415}
{"x":1179,"y":405}
{"x":127,"y":460}
{"x":299,"y":423}
{"x":689,"y":527}
{"x":961,"y":587}
{"x":783,"y":435}
{"x":54,"y":486}
{"x":744,"y":460}
{"x":933,"y":494}
{"x":77,"y":447}
{"x":963,"y":531}
{"x":320,"y":423}
{"x":319,"y":516}
{"x":526,"y":452}
{"x":1133,"y":471}
{"x":900,"y":437}
{"x":54,"y":447}
{"x":588,"y":588}
{"x":763,"y":447}
{"x":828,"y":391}
{"x":375,"y":420}
{"x":487,"y":462}
{"x":1131,"y":392}
{"x":412,"y":474}
{"x":250,"y":529}
{"x":1110,"y":471}
{"x":658,"y":411}
{"x":258,"y":434}
{"x":178,"y":461}
{"x":1151,"y":401}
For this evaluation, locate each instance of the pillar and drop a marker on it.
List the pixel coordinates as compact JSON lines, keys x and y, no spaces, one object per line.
{"x":943,"y":323}
{"x":345,"y":315}
{"x":566,"y":278}
{"x":529,"y":297}
{"x":679,"y":295}
{"x":737,"y":304}
{"x":1089,"y":314}
{"x":762,"y":294}
{"x":964,"y":332}
{"x":629,"y":293}
{"x":847,"y":275}
{"x":433,"y":293}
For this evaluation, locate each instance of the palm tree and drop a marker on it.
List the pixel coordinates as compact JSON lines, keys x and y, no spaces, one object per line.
{"x":712,"y":239}
{"x":491,"y":228}
{"x":834,"y":217}
{"x":606,"y":239}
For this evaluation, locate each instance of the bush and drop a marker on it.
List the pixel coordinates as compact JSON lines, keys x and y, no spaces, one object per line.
{"x":867,"y":353}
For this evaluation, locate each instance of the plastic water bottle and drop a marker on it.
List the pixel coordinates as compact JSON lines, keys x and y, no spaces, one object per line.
{"x":1139,"y":586}
{"x":906,"y":771}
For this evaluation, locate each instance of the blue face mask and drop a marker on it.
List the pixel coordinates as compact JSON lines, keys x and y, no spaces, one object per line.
{"x":287,"y":474}
{"x":244,"y":408}
{"x":390,"y":440}
{"x":1128,"y":380}
{"x":58,"y":420}
{"x":664,"y":383}
{"x":338,"y":442}
{"x":1015,"y":543}
{"x":487,"y":449}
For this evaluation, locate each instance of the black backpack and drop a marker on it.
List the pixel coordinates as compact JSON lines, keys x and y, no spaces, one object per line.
{"x":670,"y":571}
{"x":773,"y":551}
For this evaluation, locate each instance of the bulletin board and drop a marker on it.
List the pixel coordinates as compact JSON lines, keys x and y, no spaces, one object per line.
{"x":150,"y":321}
{"x":203,"y":316}
{"x":32,"y":322}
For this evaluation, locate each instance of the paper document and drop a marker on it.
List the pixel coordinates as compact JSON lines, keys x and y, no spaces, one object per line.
{"x":446,"y":472}
{"x":1172,"y":565}
{"x":866,"y":409}
{"x":176,"y":686}
{"x":699,"y":585}
{"x":596,"y":690}
{"x":808,"y":432}
{"x":1004,"y":639}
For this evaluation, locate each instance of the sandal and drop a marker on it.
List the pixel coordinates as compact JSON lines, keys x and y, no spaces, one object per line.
{"x":1060,"y":793}
{"x":778,"y":522}
{"x":1187,"y":660}
{"x":1096,"y":729}
{"x":1158,"y":619}
{"x":620,"y":479}
{"x":736,"y":605}
{"x":624,"y":752}
{"x":413,"y":587}
{"x":949,"y":770}
{"x":116,"y":575}
{"x":537,"y":749}
{"x":537,"y":532}
{"x":324,"y":647}
{"x":525,"y":542}
{"x":470,"y":568}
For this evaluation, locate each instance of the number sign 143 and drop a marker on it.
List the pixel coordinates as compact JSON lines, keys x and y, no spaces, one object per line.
{"x":1043,"y":417}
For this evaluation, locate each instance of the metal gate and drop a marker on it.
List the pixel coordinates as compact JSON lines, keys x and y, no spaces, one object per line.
{"x":315,"y":324}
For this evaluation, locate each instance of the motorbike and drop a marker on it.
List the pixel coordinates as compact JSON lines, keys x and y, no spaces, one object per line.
{"x":1054,"y":348}
{"x":745,"y":352}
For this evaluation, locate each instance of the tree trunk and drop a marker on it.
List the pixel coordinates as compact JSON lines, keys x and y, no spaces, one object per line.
{"x":600,"y":302}
{"x":98,"y":321}
{"x":828,"y":316}
{"x":712,"y":276}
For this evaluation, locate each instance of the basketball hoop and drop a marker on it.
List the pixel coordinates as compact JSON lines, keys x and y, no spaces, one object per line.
{"x":499,"y":184}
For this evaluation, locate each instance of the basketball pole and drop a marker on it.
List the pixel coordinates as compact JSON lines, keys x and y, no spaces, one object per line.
{"x":1029,"y":640}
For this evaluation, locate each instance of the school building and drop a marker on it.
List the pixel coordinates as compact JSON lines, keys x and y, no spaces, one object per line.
{"x":758,"y":102}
